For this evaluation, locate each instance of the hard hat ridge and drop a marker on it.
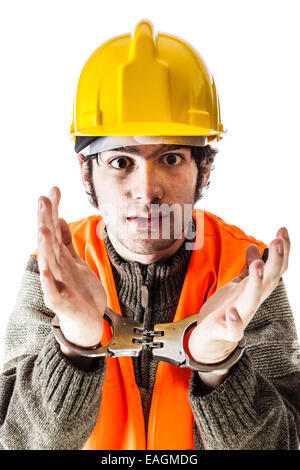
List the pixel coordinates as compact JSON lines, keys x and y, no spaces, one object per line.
{"x":138,"y":85}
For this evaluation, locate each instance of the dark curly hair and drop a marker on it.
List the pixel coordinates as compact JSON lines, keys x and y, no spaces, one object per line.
{"x":203,"y":156}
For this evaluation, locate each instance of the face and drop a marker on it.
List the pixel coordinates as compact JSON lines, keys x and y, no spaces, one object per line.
{"x":145,"y":195}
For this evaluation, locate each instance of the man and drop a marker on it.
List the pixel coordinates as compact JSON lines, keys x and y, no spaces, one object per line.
{"x":122,"y":259}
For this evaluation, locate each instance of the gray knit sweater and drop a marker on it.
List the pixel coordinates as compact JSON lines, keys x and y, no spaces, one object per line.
{"x":48,"y":403}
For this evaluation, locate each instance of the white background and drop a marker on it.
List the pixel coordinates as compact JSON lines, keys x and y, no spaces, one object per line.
{"x":251,"y":48}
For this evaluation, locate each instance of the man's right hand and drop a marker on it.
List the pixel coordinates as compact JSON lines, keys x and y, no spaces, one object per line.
{"x":71,"y":289}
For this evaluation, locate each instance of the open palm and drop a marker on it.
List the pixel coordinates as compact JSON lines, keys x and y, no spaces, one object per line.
{"x":225,"y":315}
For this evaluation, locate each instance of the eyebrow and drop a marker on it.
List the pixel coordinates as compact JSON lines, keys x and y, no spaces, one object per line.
{"x":134,"y":151}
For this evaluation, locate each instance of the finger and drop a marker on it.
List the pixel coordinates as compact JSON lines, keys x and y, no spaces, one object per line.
{"x":67,"y":238}
{"x":42,"y":258}
{"x":252,"y":254}
{"x":274,"y":263}
{"x":54,"y":292}
{"x":55,"y":196}
{"x":49,"y":288}
{"x":45,"y":219}
{"x":283,"y":234}
{"x":250,"y":298}
{"x":47,"y":258}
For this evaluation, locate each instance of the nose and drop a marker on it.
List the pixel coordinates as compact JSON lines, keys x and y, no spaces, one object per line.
{"x":146,"y":185}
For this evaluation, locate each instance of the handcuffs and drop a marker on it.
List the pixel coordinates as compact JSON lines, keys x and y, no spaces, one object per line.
{"x":166,"y":341}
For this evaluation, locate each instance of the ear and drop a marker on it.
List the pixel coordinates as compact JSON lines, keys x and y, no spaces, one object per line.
{"x":206,"y":176}
{"x":84,"y":174}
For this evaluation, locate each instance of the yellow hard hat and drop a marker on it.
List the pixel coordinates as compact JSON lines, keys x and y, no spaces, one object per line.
{"x":139,"y":85}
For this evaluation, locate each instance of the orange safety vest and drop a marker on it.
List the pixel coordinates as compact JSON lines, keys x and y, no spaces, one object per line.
{"x":219,"y":255}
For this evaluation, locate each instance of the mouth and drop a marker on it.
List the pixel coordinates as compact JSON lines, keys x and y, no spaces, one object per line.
{"x":145,"y":222}
{"x":144,"y":218}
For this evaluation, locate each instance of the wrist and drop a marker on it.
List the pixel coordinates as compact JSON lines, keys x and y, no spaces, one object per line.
{"x":211,"y":381}
{"x":218,"y":368}
{"x":84,"y":334}
{"x":87,"y":364}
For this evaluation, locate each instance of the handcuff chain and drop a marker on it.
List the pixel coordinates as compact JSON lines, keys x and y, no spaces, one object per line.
{"x":148,"y":337}
{"x":129,"y":338}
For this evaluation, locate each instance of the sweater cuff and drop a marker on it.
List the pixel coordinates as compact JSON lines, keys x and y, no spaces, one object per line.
{"x":228,"y":410}
{"x":70,"y":392}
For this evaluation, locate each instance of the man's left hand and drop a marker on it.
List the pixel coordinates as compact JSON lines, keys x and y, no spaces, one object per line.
{"x":224,"y":316}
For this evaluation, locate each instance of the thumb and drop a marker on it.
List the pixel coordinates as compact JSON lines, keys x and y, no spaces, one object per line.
{"x":67,"y":237}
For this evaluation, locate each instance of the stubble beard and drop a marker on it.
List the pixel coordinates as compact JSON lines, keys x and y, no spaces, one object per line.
{"x":145,"y":243}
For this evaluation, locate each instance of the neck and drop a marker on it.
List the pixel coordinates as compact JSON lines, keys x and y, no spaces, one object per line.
{"x":162,"y":255}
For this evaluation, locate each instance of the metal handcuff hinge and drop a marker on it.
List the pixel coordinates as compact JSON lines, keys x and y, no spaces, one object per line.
{"x":166,"y":342}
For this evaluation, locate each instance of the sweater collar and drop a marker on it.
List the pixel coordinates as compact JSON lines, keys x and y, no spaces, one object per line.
{"x":163,"y":279}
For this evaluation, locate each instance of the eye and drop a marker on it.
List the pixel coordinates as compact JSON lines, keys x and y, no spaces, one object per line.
{"x":122,"y":162}
{"x":171,"y":159}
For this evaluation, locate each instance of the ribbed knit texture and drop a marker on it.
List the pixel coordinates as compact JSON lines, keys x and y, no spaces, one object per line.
{"x":164,"y":283}
{"x":45,"y":401}
{"x":48,"y":403}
